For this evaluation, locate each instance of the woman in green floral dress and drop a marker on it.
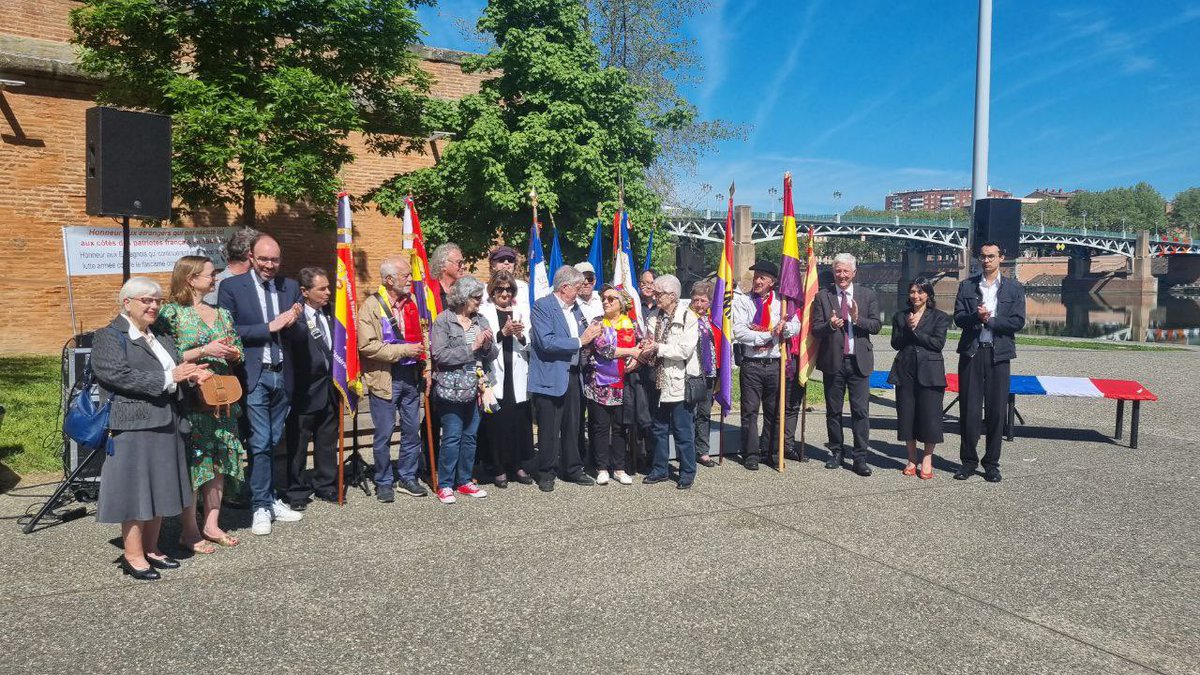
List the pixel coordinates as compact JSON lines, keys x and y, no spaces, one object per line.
{"x":205,"y":335}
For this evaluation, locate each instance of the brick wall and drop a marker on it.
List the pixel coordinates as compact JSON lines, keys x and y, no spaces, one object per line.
{"x":42,"y":188}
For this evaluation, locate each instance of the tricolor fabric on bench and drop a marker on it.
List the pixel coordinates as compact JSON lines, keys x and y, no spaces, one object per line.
{"x":1051,"y":385}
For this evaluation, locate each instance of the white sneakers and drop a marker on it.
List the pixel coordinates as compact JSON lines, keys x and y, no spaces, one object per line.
{"x":623,"y":478}
{"x":284,"y":513}
{"x":261,"y":522}
{"x":261,"y":525}
{"x":602,"y":478}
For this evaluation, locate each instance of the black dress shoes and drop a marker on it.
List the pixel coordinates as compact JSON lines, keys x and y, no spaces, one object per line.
{"x":581,"y":479}
{"x":751,"y":463}
{"x":546,"y":485}
{"x":710,"y":463}
{"x":500,"y":483}
{"x":164,"y":563}
{"x":683,"y":486}
{"x":148,"y":574}
{"x":992,"y":475}
{"x":524,"y":479}
{"x":862,"y":469}
{"x":835,"y":460}
{"x":964,"y":473}
{"x":652,"y":479}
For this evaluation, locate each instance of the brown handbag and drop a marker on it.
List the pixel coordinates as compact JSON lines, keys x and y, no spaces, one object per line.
{"x":218,"y":394}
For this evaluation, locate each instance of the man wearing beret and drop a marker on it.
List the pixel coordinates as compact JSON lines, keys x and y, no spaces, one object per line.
{"x":759,"y":327}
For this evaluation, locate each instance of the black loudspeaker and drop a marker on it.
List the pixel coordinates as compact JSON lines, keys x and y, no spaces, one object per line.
{"x":689,"y":264}
{"x":128,"y":164}
{"x":998,"y":220}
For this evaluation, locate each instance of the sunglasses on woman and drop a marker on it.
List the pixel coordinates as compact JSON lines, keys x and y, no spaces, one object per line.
{"x":505,"y":289}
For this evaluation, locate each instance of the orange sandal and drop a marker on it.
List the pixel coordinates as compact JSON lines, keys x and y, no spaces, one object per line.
{"x":910,"y":471}
{"x":927,"y":476}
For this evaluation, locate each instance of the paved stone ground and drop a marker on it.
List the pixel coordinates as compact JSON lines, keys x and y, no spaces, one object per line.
{"x":1083,"y":560}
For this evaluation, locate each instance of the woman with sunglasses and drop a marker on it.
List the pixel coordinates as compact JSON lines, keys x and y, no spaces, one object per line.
{"x":606,"y":362}
{"x":507,"y":434}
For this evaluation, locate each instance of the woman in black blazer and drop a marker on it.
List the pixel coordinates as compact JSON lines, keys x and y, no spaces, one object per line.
{"x":919,"y":373}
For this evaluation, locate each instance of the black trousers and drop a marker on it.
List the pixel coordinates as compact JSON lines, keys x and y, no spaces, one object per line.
{"x":859,"y":386}
{"x":506,"y":438}
{"x":759,"y":380}
{"x":320,"y":428}
{"x":606,"y":428}
{"x":558,"y":431}
{"x":982,"y":384}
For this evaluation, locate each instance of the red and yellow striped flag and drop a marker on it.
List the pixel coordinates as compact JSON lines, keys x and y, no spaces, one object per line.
{"x":806,"y":341}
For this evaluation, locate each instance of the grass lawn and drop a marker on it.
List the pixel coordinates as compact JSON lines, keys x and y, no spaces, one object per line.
{"x":30,"y":440}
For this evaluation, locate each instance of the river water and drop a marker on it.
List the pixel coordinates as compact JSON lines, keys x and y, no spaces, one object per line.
{"x":1163,"y":318}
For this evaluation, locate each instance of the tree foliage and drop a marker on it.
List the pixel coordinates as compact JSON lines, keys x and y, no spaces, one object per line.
{"x":1049,"y":212}
{"x":263,"y":93}
{"x":1185,"y":209}
{"x":1140,"y":207}
{"x":646,"y":39}
{"x":551,"y":119}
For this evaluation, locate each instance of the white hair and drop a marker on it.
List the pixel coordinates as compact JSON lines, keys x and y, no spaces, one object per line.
{"x":566,"y":276}
{"x":463,"y":290}
{"x":845,"y":259}
{"x":437,"y":261}
{"x":669,"y":283}
{"x":137,"y":287}
{"x":390,"y":266}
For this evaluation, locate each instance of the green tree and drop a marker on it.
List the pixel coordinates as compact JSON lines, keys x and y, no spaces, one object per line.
{"x":262,"y":93}
{"x":1185,"y":209}
{"x":646,"y":38}
{"x":551,"y":119}
{"x":1048,"y":212}
{"x":1140,"y":207}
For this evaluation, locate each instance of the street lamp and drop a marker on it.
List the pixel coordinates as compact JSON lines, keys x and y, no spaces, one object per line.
{"x":773,"y":191}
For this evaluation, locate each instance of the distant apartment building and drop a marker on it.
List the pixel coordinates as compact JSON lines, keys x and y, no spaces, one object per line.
{"x":1057,"y":194}
{"x":934,"y":200}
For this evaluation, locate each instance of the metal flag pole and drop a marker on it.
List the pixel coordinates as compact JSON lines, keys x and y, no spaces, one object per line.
{"x":341,"y":453}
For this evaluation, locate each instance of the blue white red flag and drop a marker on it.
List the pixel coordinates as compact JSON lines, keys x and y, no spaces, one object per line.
{"x":624,"y":277}
{"x":539,"y":281}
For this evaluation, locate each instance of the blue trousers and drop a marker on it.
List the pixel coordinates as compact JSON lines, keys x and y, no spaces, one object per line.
{"x":460,"y":424}
{"x":676,"y":418}
{"x":267,"y":411}
{"x":406,"y":399}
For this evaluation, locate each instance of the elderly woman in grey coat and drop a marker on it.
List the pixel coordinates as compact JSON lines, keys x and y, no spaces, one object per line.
{"x":461,"y":344}
{"x":146,"y":478}
{"x":674,"y":334}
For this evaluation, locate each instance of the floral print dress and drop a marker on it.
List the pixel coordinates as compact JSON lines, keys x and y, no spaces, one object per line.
{"x":213,"y":446}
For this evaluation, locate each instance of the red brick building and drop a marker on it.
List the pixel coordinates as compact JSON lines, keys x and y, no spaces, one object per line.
{"x":42,"y":183}
{"x":935,"y":199}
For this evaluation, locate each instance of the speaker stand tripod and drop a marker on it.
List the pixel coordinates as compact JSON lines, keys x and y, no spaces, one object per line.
{"x":58,"y":500}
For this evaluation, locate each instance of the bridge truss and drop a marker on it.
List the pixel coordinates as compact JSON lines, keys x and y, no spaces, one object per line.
{"x":939,"y":233}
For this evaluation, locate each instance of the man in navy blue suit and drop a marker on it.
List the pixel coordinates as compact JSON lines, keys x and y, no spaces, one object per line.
{"x":265,"y":309}
{"x":559,"y":331}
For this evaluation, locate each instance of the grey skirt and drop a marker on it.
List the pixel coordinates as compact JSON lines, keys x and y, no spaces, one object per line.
{"x":146,"y":477}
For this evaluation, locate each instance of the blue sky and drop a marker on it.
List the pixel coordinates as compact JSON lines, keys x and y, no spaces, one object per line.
{"x":870,"y":96}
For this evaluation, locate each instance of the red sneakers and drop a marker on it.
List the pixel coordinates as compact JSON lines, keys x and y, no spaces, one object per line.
{"x":472,"y":490}
{"x":446,"y":496}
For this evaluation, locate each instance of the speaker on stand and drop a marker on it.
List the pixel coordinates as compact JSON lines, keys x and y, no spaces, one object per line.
{"x":689,"y":264}
{"x":128,"y":168}
{"x":998,"y":220}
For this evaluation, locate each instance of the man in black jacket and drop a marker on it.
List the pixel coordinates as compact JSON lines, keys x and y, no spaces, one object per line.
{"x":845,"y":316}
{"x":314,"y":411}
{"x":989,"y":309}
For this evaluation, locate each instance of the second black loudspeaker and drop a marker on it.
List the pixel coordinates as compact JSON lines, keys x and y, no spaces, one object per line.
{"x":128,"y":164}
{"x":999,"y":220}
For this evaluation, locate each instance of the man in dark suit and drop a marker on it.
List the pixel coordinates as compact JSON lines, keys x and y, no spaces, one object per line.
{"x":559,"y":331}
{"x":844,"y":318}
{"x":265,"y":308}
{"x":314,"y":410}
{"x":990,"y":310}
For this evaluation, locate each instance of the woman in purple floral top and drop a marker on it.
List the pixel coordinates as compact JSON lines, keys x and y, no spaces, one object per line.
{"x":606,"y":361}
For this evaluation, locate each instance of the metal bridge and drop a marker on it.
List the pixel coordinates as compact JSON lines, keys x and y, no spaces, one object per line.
{"x":769,"y":227}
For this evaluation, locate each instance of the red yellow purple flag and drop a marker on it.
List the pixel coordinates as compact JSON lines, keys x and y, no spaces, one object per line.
{"x":722,"y":317}
{"x":345,"y":327}
{"x":424,"y":287}
{"x":806,"y":342}
{"x":789,"y":266}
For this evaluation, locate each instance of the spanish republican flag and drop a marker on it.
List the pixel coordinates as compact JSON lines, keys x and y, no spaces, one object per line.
{"x":424,"y":288}
{"x":806,"y":342}
{"x":789,"y":267}
{"x":722,"y":317}
{"x":345,"y":327}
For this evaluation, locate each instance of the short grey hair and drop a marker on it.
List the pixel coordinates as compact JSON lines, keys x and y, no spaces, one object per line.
{"x":566,"y":276}
{"x":704,"y":288}
{"x":845,"y":259}
{"x":390,"y":266}
{"x":669,"y":283}
{"x":463,"y":290}
{"x":240,"y":245}
{"x":441,"y":254}
{"x":137,"y":287}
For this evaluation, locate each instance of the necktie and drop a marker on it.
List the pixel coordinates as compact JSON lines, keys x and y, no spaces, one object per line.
{"x":846,"y":334}
{"x":325,"y":332}
{"x":268,"y":294}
